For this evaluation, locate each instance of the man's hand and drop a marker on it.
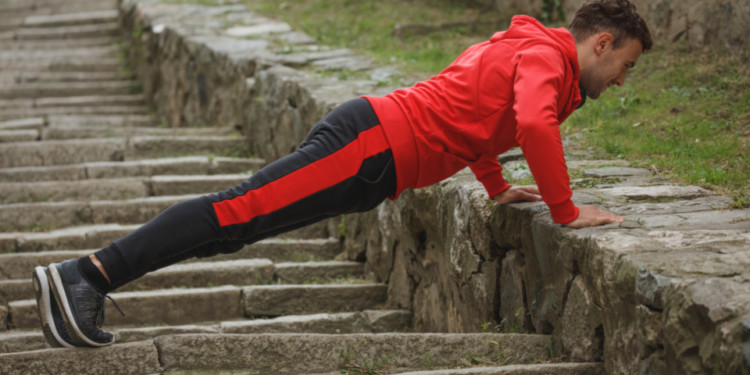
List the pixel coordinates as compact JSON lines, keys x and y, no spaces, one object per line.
{"x":519,"y":194}
{"x":589,"y":216}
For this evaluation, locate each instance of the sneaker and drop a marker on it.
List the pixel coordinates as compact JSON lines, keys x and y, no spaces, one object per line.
{"x":53,"y":324}
{"x":82,"y":304}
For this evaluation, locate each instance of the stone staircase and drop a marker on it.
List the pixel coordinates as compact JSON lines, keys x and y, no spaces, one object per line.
{"x":83,"y":161}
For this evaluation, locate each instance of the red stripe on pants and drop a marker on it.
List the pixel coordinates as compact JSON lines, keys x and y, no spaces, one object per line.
{"x":303,"y":182}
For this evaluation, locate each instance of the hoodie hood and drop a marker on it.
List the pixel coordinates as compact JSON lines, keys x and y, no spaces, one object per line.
{"x":527,"y":28}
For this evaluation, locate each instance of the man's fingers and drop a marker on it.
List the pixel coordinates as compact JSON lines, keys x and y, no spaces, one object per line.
{"x":530,"y":189}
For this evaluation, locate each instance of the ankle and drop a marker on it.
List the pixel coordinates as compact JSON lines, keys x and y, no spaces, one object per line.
{"x":93,"y":274}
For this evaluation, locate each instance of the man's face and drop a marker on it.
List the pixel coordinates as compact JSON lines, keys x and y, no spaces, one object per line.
{"x":611,"y":67}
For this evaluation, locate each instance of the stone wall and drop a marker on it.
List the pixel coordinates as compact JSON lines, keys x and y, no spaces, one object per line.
{"x":700,"y":22}
{"x":666,"y":292}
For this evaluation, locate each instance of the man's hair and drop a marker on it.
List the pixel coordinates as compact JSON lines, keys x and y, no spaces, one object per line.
{"x":617,"y":17}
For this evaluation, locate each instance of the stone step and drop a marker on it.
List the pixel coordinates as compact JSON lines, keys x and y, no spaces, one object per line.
{"x":211,"y":273}
{"x":15,"y":266}
{"x":61,"y":152}
{"x":529,"y":369}
{"x":13,"y":45}
{"x":185,"y":165}
{"x":8,"y":136}
{"x":66,"y":89}
{"x":368,"y":321}
{"x":17,"y":7}
{"x":65,"y":64}
{"x":287,"y":353}
{"x":50,"y":56}
{"x":17,"y":113}
{"x":69,"y":32}
{"x":103,"y":120}
{"x":195,"y":305}
{"x":116,"y":189}
{"x":72,"y":19}
{"x":45,"y":216}
{"x":17,"y":77}
{"x":106,"y":131}
{"x":75,"y":101}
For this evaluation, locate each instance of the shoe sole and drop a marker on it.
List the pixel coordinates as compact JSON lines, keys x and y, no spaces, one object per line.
{"x":59,"y":292}
{"x":44,"y":309}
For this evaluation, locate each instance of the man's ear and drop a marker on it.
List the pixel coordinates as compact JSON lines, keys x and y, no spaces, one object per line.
{"x":603,"y":42}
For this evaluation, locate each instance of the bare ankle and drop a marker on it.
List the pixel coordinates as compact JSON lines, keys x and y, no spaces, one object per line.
{"x":100,"y":267}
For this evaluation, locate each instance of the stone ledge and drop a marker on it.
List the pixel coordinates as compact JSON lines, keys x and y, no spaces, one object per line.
{"x":668,"y":290}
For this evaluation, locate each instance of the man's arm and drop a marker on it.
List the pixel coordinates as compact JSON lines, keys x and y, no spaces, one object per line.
{"x":539,"y":79}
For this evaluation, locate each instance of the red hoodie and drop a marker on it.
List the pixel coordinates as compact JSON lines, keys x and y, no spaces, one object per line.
{"x":513,"y":90}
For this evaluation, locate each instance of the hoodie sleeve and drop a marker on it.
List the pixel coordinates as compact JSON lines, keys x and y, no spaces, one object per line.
{"x":538,"y":81}
{"x":489,"y":172}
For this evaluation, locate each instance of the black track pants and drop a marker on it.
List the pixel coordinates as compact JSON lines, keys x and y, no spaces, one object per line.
{"x":345,"y":165}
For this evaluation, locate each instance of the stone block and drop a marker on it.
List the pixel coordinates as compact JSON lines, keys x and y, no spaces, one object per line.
{"x":275,"y":300}
{"x":3,"y":318}
{"x":133,"y":358}
{"x":13,"y":290}
{"x":133,"y":211}
{"x":203,"y":274}
{"x":176,"y":306}
{"x":315,"y":353}
{"x":581,"y":329}
{"x":30,"y":217}
{"x":178,"y":185}
{"x":298,"y":273}
{"x":512,"y":307}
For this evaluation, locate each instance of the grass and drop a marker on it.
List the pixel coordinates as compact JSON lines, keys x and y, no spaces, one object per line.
{"x":683,"y":113}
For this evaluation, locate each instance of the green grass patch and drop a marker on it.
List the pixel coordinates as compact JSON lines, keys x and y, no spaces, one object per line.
{"x":419,"y":37}
{"x":684,"y":112}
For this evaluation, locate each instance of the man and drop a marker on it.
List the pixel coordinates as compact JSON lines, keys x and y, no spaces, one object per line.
{"x":513,"y":90}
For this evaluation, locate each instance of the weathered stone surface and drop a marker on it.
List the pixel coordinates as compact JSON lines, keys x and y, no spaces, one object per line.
{"x":313,"y":353}
{"x":581,"y":330}
{"x":3,"y":318}
{"x":369,"y":321}
{"x":83,"y":237}
{"x":135,"y":358}
{"x":649,"y":287}
{"x":512,"y":306}
{"x":176,"y":185}
{"x":642,"y":193}
{"x":19,"y":266}
{"x":148,"y":333}
{"x":73,"y":191}
{"x":202,"y":274}
{"x":132,"y":211}
{"x":63,"y":172}
{"x":12,"y":290}
{"x":275,"y":300}
{"x":148,"y":167}
{"x":616,"y":171}
{"x":7,"y":136}
{"x":31,"y":217}
{"x":11,"y":342}
{"x":27,"y":123}
{"x":540,"y":369}
{"x":150,"y":147}
{"x":296,"y":248}
{"x":177,"y":306}
{"x":59,"y":152}
{"x":305,"y":272}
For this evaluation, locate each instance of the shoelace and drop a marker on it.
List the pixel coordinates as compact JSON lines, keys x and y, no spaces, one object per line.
{"x":100,"y":307}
